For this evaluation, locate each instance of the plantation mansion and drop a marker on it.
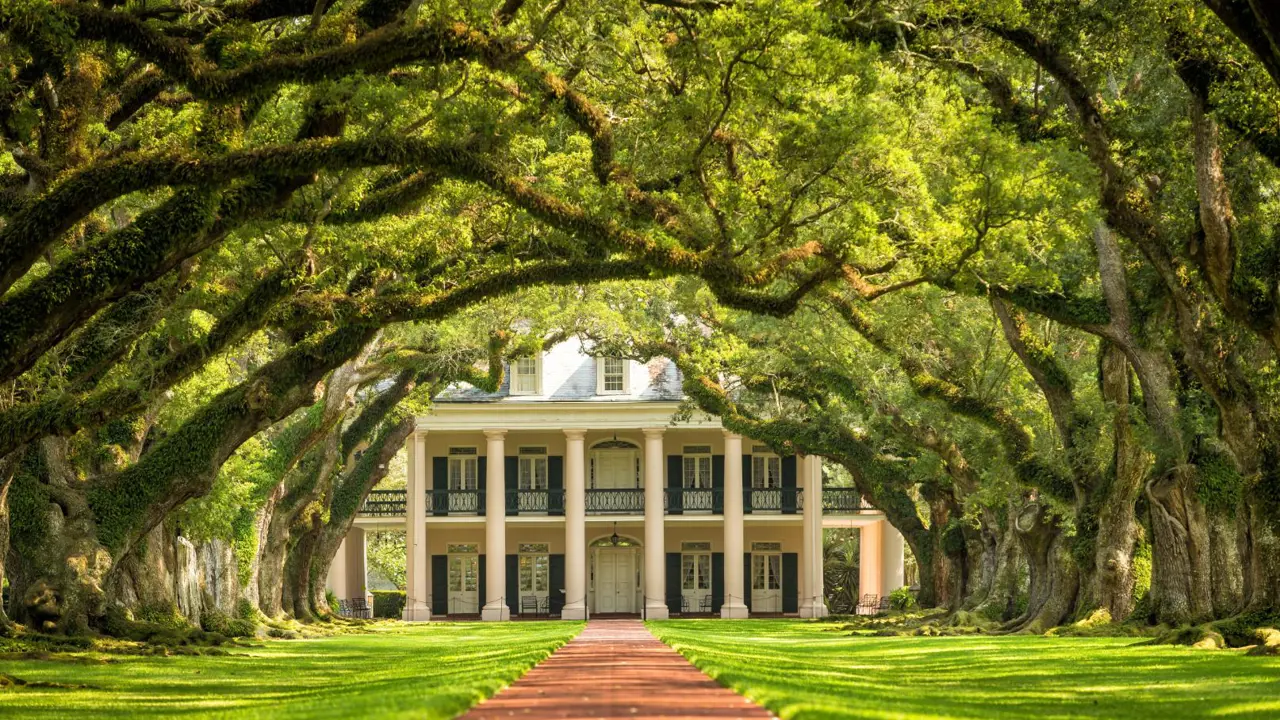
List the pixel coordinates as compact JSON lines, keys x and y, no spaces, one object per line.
{"x":577,"y":489}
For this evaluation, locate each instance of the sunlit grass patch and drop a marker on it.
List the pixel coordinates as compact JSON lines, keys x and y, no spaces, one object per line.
{"x":800,"y":669}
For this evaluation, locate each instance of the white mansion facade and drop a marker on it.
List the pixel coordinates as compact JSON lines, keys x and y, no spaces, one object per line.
{"x":578,"y":488}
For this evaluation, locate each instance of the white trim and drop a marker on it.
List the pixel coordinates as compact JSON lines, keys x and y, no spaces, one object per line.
{"x":618,"y":415}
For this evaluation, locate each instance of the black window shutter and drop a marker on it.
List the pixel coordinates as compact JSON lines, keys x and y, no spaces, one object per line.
{"x":484,"y":596}
{"x":555,"y":485}
{"x":717,"y":484}
{"x":513,"y":584}
{"x":717,"y":581}
{"x":675,"y":475}
{"x":511,"y":471}
{"x":673,"y":583}
{"x":790,"y":583}
{"x":789,"y":484}
{"x":556,"y":591}
{"x":746,"y":483}
{"x":440,"y":482}
{"x":746,"y":580}
{"x":482,"y":482}
{"x":440,"y":584}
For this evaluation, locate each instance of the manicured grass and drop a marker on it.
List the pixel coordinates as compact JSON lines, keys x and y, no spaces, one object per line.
{"x":809,"y":670}
{"x":422,"y":671}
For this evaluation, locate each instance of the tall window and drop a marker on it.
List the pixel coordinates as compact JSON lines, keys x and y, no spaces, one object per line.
{"x":695,"y":571}
{"x":766,"y":571}
{"x":766,"y":471}
{"x":533,"y":468}
{"x":525,"y":378}
{"x":613,"y":376}
{"x":464,"y":468}
{"x":535,"y":568}
{"x":697,"y":467}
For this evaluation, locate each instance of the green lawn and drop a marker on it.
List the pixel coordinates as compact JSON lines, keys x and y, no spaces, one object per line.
{"x":423,"y":671}
{"x":805,"y":670}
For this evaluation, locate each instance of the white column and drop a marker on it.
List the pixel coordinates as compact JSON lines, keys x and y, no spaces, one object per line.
{"x":495,"y":528}
{"x":655,"y":580}
{"x":869,"y":557}
{"x":575,"y":526}
{"x":891,"y":559}
{"x":416,"y":605}
{"x":817,"y":590}
{"x":734,"y":587}
{"x":337,"y":580}
{"x":807,"y":549}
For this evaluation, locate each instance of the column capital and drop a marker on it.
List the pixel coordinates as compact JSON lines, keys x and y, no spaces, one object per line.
{"x":652,"y":432}
{"x":575,"y":433}
{"x":495,"y":434}
{"x":729,"y":435}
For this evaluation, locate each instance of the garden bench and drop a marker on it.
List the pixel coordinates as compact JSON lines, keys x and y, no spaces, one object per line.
{"x":868,"y":605}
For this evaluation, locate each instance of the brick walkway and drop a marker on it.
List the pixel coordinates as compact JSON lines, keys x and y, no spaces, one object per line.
{"x":615,"y":669}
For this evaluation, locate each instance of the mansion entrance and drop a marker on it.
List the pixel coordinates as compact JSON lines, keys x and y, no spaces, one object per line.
{"x":615,"y":576}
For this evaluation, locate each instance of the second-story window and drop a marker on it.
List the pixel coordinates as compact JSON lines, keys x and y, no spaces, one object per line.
{"x":766,"y":468}
{"x":697,"y":467}
{"x":613,"y":376}
{"x":525,"y":376}
{"x":464,"y":468}
{"x":533,"y":468}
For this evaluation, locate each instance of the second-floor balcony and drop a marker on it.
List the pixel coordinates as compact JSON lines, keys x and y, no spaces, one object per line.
{"x":628,"y":501}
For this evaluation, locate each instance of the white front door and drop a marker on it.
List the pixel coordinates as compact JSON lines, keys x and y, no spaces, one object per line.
{"x":464,"y":584}
{"x":615,"y":469}
{"x":615,"y":580}
{"x":766,"y":582}
{"x":695,"y":580}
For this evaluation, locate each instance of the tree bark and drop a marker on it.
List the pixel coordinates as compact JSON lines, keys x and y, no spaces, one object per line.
{"x":1054,"y":577}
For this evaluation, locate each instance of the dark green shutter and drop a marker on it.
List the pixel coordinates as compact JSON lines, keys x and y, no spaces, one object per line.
{"x":511,"y":471}
{"x":746,"y":483}
{"x":717,"y":581}
{"x":675,"y":475}
{"x":556,"y":591}
{"x":717,"y":484}
{"x":482,"y":482}
{"x":746,"y":580}
{"x":555,"y":485}
{"x":484,"y":581}
{"x":440,"y":584}
{"x":513,"y":584}
{"x":673,"y":583}
{"x":440,"y":483}
{"x":789,"y":484}
{"x":790,"y":583}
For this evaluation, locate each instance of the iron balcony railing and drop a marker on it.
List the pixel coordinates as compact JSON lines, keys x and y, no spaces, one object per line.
{"x":611,"y":501}
{"x":549,"y":502}
{"x":391,"y":503}
{"x":384,"y":503}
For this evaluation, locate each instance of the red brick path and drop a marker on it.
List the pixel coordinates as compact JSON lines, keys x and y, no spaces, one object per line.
{"x":615,"y":669}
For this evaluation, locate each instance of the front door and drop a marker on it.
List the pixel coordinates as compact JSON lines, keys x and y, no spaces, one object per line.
{"x":766,"y":582}
{"x":615,"y":580}
{"x":464,"y":584}
{"x":695,"y":581}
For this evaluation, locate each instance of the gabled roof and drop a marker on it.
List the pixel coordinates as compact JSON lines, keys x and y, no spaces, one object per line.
{"x":569,"y":375}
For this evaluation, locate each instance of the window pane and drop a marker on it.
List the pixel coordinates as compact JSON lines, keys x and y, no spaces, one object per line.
{"x":686,"y":572}
{"x":758,"y":478}
{"x":775,"y":572}
{"x":455,"y":574}
{"x":690,"y":472}
{"x":704,"y":472}
{"x":540,"y":474}
{"x":526,"y":573}
{"x":704,"y":572}
{"x":757,"y":572}
{"x":775,"y":472}
{"x":542,"y":572}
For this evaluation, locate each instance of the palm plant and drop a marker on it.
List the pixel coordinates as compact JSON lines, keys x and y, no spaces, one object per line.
{"x":840,"y":570}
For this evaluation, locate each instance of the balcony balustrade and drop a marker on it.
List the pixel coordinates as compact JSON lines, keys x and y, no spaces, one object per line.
{"x":627,"y":501}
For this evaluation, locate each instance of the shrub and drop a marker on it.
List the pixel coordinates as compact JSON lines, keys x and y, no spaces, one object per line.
{"x":388,"y":603}
{"x":902,"y":599}
{"x":331,"y":598}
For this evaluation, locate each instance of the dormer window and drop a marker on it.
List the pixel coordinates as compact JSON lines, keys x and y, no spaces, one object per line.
{"x":526,"y":376}
{"x":612,"y":378}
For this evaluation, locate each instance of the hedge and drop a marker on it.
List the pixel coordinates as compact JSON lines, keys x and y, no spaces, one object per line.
{"x":388,"y":603}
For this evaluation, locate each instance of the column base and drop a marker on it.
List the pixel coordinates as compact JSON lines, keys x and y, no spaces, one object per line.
{"x":495,"y":613}
{"x":417,"y":612}
{"x":576,"y":611}
{"x":733,"y":611}
{"x":818,"y":610}
{"x":656,"y":611}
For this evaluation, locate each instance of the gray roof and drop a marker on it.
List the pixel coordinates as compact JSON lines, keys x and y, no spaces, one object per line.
{"x":569,"y":375}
